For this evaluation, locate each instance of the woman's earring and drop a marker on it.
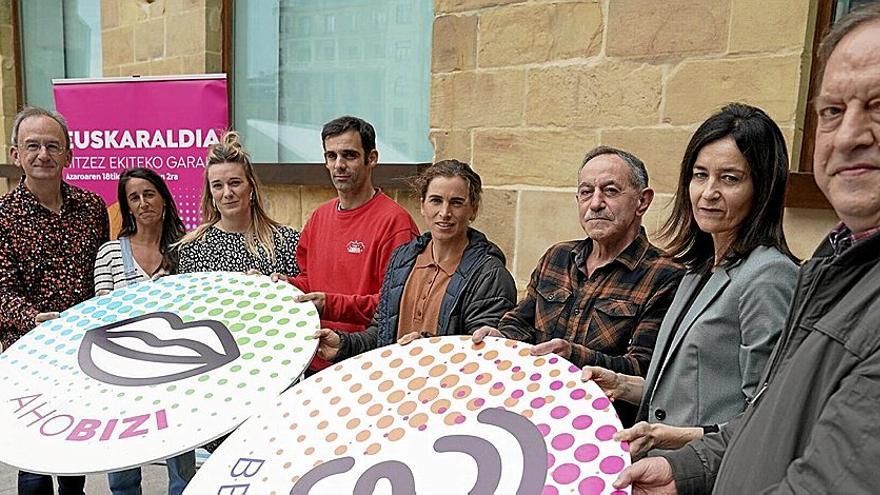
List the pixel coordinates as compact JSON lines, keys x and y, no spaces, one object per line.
{"x":253,"y":197}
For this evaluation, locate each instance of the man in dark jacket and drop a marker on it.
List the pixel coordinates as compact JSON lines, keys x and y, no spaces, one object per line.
{"x":814,"y":426}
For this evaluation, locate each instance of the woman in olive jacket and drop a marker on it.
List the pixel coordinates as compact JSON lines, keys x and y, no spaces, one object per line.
{"x":451,"y":257}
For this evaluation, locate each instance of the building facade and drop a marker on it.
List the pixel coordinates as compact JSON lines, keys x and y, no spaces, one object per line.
{"x":520,"y":89}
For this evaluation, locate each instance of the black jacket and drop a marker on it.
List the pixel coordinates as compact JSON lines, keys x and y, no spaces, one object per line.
{"x":480,"y":291}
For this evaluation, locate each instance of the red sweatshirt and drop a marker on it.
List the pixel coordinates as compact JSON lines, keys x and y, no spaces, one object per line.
{"x":344,"y":254}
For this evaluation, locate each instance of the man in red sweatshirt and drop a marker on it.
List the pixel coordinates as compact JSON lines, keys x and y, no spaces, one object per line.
{"x":345,"y":245}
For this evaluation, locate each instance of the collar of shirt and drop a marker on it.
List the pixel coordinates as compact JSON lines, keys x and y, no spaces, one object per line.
{"x":27,"y":198}
{"x":629,"y":257}
{"x":425,"y":259}
{"x":842,"y":238}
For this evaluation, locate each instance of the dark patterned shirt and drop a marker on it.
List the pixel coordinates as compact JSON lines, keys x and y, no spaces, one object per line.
{"x":46,"y":258}
{"x":611,"y":318}
{"x":218,"y":250}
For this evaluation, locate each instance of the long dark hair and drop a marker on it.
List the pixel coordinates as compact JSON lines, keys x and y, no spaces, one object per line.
{"x":761,"y":143}
{"x":172,"y":226}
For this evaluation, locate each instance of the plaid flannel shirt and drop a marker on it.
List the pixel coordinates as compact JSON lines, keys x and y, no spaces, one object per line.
{"x":611,"y":318}
{"x":842,"y":238}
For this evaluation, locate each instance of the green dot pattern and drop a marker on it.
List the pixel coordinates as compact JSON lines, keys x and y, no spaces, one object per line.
{"x":259,"y":316}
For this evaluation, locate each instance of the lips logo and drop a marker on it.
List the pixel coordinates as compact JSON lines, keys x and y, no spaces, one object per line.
{"x":155,"y":348}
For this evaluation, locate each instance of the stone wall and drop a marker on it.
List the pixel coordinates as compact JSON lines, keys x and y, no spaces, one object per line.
{"x":161,"y":37}
{"x":522,"y":89}
{"x":8,"y":86}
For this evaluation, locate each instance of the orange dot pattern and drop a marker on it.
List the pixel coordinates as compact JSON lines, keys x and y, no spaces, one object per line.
{"x":410,"y":395}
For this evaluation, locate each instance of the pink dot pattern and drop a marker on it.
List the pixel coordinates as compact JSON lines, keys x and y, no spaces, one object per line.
{"x":372,"y":405}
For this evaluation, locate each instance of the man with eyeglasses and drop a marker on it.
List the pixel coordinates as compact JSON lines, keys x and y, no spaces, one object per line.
{"x":49,"y":235}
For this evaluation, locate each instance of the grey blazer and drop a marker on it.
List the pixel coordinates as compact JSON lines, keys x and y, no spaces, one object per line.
{"x":717,"y":354}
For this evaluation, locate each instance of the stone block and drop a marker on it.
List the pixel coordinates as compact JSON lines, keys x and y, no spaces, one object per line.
{"x":110,"y":17}
{"x":214,"y":29}
{"x":195,"y":64}
{"x":7,"y":41}
{"x":532,"y":157}
{"x":117,"y":46}
{"x":185,"y":33}
{"x":166,"y":66}
{"x":545,"y":218}
{"x":442,"y":99}
{"x":132,"y":11}
{"x":7,"y":71}
{"x":656,"y":216}
{"x":213,"y":63}
{"x":768,"y":25}
{"x":149,"y":40}
{"x":135,"y":69}
{"x":408,"y":198}
{"x":9,"y":104}
{"x":451,"y":144}
{"x":6,"y":12}
{"x":608,"y":94}
{"x":661,"y":148}
{"x":283,"y":204}
{"x":314,"y":196}
{"x":637,"y":28}
{"x":487,"y":98}
{"x":178,"y":6}
{"x":698,"y":88}
{"x":497,"y":219}
{"x":805,"y":228}
{"x":539,"y":32}
{"x":156,"y":9}
{"x":455,"y":43}
{"x":444,"y":6}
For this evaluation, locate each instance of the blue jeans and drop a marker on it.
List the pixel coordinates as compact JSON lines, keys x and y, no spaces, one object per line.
{"x":41,"y":484}
{"x":181,"y":469}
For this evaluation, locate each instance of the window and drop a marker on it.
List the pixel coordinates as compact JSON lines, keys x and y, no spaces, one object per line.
{"x":58,"y":40}
{"x":845,"y":6}
{"x":802,"y":190}
{"x":298,"y":64}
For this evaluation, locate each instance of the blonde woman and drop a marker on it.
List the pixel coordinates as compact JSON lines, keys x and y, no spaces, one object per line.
{"x":236,"y":233}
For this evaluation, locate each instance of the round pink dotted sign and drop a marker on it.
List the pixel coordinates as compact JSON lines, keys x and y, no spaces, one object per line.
{"x":437,"y":415}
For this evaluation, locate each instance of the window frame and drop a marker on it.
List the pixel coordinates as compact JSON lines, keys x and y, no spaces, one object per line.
{"x":802,"y":191}
{"x":301,"y":173}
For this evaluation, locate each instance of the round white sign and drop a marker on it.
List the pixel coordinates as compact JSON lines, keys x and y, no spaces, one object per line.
{"x":150,"y":371}
{"x":439,"y":415}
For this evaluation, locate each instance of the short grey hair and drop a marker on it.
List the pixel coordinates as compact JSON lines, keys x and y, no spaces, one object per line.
{"x":638,"y":172}
{"x":29,"y":112}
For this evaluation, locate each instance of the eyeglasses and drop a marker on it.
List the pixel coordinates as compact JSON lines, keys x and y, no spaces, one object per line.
{"x":51,"y":148}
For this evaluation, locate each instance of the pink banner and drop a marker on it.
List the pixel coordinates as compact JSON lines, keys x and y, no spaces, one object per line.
{"x":164,"y":125}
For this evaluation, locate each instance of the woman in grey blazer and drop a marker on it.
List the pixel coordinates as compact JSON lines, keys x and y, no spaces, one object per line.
{"x":726,"y":227}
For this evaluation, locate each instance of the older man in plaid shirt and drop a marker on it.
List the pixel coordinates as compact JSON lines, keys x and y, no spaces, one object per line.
{"x":599,"y":301}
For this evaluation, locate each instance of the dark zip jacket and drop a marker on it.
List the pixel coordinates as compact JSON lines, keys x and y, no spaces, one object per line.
{"x":480,"y":292}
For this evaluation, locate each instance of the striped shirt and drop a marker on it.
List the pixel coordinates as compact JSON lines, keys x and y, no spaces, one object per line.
{"x":110,"y":269}
{"x":611,"y":318}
